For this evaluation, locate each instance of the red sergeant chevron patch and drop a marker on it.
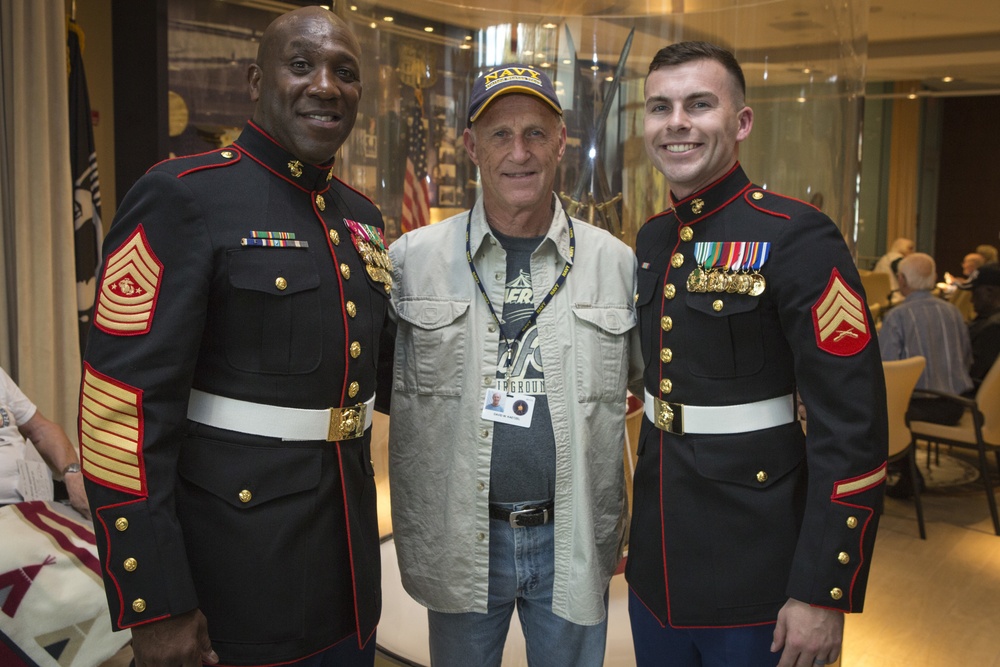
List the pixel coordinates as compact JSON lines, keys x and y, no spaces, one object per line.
{"x":127,"y":298}
{"x":839,"y":319}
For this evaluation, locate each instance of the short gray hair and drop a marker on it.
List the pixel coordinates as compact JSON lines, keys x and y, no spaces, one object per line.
{"x":919,"y":270}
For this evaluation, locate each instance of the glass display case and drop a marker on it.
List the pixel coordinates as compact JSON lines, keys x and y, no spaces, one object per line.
{"x":421,"y":56}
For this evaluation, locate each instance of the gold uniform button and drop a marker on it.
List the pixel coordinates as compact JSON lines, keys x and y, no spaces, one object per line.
{"x":666,"y":355}
{"x":320,"y":202}
{"x":245,"y":496}
{"x":345,"y":271}
{"x":677,"y":261}
{"x":669,"y":291}
{"x":334,"y":237}
{"x":666,"y":386}
{"x":843,"y":558}
{"x":353,"y":390}
{"x":717,"y":305}
{"x":758,"y":195}
{"x":227,"y":154}
{"x":352,"y":309}
{"x":761,"y":476}
{"x":480,"y":486}
{"x":487,"y":381}
{"x":355,"y":350}
{"x":687,"y":234}
{"x":480,"y":536}
{"x":666,"y":323}
{"x":139,"y":605}
{"x":852,"y":522}
{"x":121,"y":523}
{"x":130,"y":564}
{"x":280,"y":283}
{"x":836,"y":593}
{"x":485,"y":433}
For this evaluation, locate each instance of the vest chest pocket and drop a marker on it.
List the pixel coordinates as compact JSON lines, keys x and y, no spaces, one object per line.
{"x":431,"y":344}
{"x":600,"y":340}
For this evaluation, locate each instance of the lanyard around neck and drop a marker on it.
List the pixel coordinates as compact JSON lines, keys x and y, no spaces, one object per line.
{"x":511,"y":344}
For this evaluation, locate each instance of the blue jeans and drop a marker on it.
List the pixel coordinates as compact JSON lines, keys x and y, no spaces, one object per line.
{"x":521,"y":572}
{"x":658,"y":646}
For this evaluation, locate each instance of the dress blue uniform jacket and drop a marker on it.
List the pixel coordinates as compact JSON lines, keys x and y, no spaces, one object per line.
{"x":726,"y":528}
{"x":275,"y":541}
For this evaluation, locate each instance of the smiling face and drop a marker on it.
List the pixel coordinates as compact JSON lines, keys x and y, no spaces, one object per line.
{"x":695,"y":119}
{"x":517,"y":144}
{"x":306,"y":83}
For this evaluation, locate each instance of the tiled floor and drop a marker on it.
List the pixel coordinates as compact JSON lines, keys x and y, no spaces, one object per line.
{"x":933,"y":603}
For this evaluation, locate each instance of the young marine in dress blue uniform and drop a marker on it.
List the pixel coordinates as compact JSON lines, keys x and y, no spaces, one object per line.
{"x":745,"y":531}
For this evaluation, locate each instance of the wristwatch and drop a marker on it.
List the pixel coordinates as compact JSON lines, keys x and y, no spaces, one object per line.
{"x":72,"y":467}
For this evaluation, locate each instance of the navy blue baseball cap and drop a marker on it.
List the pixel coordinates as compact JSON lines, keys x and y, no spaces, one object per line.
{"x":513,"y":78}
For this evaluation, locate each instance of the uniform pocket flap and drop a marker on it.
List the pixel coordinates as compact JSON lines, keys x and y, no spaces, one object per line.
{"x":749,"y":461}
{"x":431,"y":313}
{"x":277,"y":271}
{"x":612,"y":319}
{"x":648,"y":285}
{"x":246,"y":476}
{"x":721,"y":304}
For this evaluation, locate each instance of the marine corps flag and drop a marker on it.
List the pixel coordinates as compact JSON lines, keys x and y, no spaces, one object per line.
{"x":86,"y":186}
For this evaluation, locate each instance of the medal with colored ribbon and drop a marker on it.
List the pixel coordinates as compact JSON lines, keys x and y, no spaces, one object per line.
{"x":370,"y":244}
{"x":729,"y":266}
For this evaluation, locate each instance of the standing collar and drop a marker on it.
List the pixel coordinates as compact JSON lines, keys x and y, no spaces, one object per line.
{"x":710,"y":199}
{"x":263,"y":149}
{"x":558,"y":232}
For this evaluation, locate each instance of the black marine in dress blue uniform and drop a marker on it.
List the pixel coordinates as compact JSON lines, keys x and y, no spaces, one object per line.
{"x":244,"y":274}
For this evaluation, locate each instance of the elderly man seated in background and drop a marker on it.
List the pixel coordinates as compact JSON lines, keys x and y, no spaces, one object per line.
{"x":20,"y":420}
{"x":984,"y":331}
{"x":924,"y":325}
{"x":970,"y":266}
{"x":899,"y":249}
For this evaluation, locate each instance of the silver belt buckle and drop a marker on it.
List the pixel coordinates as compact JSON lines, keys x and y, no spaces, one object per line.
{"x":515,"y":514}
{"x":669,"y":417}
{"x":347,"y":423}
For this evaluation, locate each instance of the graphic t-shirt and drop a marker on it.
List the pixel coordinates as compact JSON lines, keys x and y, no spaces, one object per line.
{"x":523,"y":464}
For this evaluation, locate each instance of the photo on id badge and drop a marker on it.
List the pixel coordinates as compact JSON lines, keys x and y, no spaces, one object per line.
{"x":516,"y":409}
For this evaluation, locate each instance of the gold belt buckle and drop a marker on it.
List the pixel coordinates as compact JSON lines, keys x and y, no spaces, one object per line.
{"x":669,"y":417}
{"x":347,"y":423}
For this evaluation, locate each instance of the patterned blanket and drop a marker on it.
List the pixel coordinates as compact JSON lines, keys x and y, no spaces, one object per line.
{"x":52,"y":606}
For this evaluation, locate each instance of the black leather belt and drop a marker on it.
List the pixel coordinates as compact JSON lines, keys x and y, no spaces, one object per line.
{"x":533,"y":515}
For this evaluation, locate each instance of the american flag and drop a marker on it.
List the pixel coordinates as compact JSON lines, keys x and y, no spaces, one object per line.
{"x":416,"y":199}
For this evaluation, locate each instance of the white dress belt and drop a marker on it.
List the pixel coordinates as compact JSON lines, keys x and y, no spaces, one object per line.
{"x":719,"y":419}
{"x":275,"y":421}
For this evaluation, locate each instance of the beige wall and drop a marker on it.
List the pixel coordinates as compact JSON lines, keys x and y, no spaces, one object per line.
{"x":94,"y":17}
